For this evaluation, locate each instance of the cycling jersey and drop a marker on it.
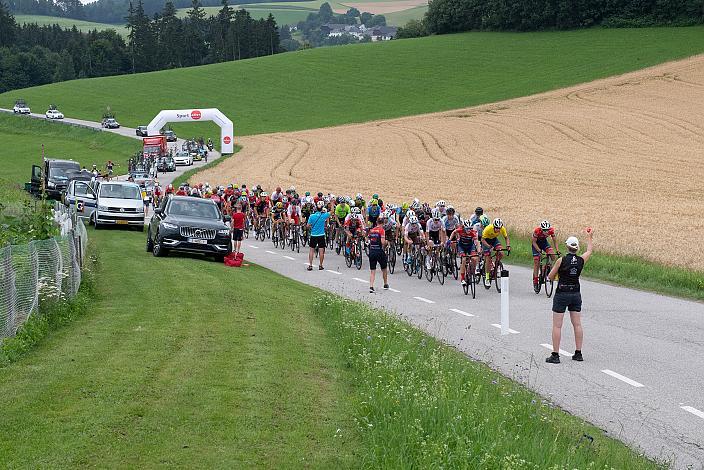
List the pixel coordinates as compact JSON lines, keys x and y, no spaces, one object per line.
{"x":341,"y":210}
{"x":540,"y":235}
{"x":375,"y":236}
{"x":353,"y":225}
{"x":434,"y":225}
{"x":277,"y":213}
{"x":450,"y":223}
{"x":489,"y":234}
{"x":373,"y":212}
{"x":466,"y":237}
{"x":293,"y":211}
{"x":413,"y":228}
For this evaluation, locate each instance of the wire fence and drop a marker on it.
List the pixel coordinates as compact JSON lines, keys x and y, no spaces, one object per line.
{"x":41,"y":271}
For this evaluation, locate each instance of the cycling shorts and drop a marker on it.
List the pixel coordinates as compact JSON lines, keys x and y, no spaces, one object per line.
{"x":434,"y":236}
{"x":493,"y":243}
{"x":466,"y":250}
{"x":544,"y":245}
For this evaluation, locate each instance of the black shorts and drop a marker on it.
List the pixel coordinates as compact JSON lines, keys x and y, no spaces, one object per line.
{"x":317,"y":242}
{"x":237,"y":234}
{"x":373,"y":219}
{"x":434,"y":236}
{"x":377,"y":256}
{"x":571,"y":301}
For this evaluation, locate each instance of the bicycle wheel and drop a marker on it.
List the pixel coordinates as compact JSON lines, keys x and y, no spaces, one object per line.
{"x":275,"y":240}
{"x":391,"y":261}
{"x":358,"y":253}
{"x":467,"y":281}
{"x":282,"y":236}
{"x":455,"y":265}
{"x":399,"y":245}
{"x":472,"y":285}
{"x":420,"y":263}
{"x":437,"y":264}
{"x":549,"y":285}
{"x":429,"y":273}
{"x":408,"y":264}
{"x":497,"y":279}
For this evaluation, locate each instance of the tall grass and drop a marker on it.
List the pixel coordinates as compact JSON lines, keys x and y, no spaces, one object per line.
{"x":421,"y":404}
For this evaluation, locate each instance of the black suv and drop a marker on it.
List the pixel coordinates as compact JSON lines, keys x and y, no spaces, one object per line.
{"x":189,"y":224}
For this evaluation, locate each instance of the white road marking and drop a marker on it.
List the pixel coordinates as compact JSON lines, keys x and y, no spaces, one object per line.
{"x":423,"y":299}
{"x":513,"y":332}
{"x":562,"y":351}
{"x":694,"y":411}
{"x":360,"y":280}
{"x":288,"y":257}
{"x":622,"y":378}
{"x":271,"y":252}
{"x":254,"y":246}
{"x":394,"y":290}
{"x":333,"y":271}
{"x":461,"y":312}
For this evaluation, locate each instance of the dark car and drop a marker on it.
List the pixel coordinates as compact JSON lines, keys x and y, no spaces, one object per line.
{"x":188,"y":224}
{"x":142,"y":131}
{"x":170,"y":136}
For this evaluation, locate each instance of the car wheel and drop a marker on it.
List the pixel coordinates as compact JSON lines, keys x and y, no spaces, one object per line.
{"x":95,"y":222}
{"x":158,"y":250}
{"x":150,"y":243}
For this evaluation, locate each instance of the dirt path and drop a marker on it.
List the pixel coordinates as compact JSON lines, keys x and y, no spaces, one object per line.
{"x":624,"y":155}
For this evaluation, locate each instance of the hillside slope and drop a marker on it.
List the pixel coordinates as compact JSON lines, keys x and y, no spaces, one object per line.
{"x":330,"y":86}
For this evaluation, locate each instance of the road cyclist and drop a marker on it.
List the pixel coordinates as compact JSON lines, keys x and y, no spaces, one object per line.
{"x":540,"y":244}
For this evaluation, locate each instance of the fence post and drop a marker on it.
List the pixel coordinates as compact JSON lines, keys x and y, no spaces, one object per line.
{"x":504,"y":303}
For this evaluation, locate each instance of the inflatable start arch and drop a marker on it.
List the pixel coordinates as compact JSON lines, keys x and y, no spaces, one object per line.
{"x":227,"y":140}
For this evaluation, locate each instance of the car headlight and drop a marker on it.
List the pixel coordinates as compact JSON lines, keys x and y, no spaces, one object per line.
{"x":225,"y":231}
{"x":102,"y":208}
{"x":169,"y":226}
{"x":140,"y":209}
{"x":50,"y":184}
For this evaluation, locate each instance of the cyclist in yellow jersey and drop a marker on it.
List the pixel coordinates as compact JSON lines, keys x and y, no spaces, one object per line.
{"x":342,"y":209}
{"x":490,"y":240}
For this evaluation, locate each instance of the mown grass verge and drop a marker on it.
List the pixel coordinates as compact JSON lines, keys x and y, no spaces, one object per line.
{"x":53,"y":315}
{"x":627,"y":271}
{"x":23,"y":137}
{"x":190,"y":173}
{"x":420,"y":404}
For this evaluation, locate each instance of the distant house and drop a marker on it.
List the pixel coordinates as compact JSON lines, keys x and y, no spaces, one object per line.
{"x":383,"y":33}
{"x":336,"y":30}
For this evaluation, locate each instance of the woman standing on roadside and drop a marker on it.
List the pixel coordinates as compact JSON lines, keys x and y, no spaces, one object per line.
{"x":568,"y":296}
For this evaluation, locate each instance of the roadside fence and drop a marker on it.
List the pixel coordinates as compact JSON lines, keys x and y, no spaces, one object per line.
{"x":41,"y":271}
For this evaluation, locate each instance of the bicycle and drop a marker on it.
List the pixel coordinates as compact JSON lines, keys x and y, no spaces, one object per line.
{"x":411,"y":261}
{"x":470,"y":280}
{"x":355,"y":253}
{"x":450,"y":260}
{"x":391,"y":256}
{"x":340,"y":238}
{"x":436,"y":269}
{"x":295,"y":241}
{"x":495,"y":274}
{"x":544,"y":268}
{"x":282,"y":235}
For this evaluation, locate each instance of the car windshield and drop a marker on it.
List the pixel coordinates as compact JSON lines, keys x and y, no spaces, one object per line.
{"x":120,"y":191}
{"x":62,"y":170}
{"x":182,"y":154}
{"x":194,"y":208}
{"x":140,"y":176}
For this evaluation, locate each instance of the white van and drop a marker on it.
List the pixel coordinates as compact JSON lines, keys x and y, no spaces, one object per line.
{"x":119,"y":203}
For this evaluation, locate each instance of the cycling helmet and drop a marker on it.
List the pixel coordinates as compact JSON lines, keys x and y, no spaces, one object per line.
{"x":375,"y":196}
{"x":374,"y":202}
{"x":450,"y":209}
{"x":259,"y":186}
{"x":340,"y":199}
{"x":498,"y":223}
{"x":326,"y":199}
{"x":545,"y":225}
{"x":391,"y":207}
{"x":410,"y":213}
{"x":263,"y":194}
{"x":479,"y":211}
{"x":467,"y":224}
{"x":356,"y":210}
{"x":416,"y":205}
{"x":359,"y":196}
{"x":413,"y":220}
{"x":441,"y":203}
{"x":436,"y":214}
{"x":307,"y":193}
{"x":320,"y":204}
{"x":351,"y":203}
{"x":292,"y":188}
{"x":320,"y":195}
{"x":405,"y":206}
{"x":284,"y":199}
{"x":170,"y":186}
{"x":572,"y":243}
{"x":279,"y":205}
{"x":484,"y":220}
{"x":229,"y":186}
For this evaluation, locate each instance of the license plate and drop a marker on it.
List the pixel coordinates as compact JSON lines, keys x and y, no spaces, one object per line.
{"x":121,"y":222}
{"x":198,"y":241}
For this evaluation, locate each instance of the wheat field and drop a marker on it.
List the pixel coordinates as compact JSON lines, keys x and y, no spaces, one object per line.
{"x":624,"y":155}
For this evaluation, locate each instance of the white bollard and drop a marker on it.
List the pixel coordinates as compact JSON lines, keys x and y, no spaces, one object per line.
{"x":504,"y":302}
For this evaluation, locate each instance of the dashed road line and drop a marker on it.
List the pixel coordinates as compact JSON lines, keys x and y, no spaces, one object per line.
{"x":360,"y":280}
{"x":253,"y":246}
{"x":513,"y":332}
{"x":288,"y":257}
{"x":394,"y":290}
{"x":423,"y":299}
{"x":694,"y":411}
{"x":461,"y":312}
{"x":562,"y":351}
{"x":333,"y":271}
{"x":271,"y":252}
{"x":622,"y":378}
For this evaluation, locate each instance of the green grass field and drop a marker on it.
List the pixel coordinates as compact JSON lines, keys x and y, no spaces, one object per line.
{"x":409,"y":77}
{"x":400,"y":18}
{"x":84,"y":26}
{"x":197,"y":368}
{"x":25,"y":137}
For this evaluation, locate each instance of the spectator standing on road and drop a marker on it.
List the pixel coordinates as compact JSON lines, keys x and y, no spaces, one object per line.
{"x":316,"y":224}
{"x":377,"y":245}
{"x":568,"y":296}
{"x":238,"y":218}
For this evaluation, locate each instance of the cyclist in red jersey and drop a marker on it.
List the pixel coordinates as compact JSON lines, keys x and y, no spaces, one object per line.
{"x":377,"y":244}
{"x":540,"y":243}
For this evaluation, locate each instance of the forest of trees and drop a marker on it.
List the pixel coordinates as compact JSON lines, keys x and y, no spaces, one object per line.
{"x":35,"y":55}
{"x":450,"y":16}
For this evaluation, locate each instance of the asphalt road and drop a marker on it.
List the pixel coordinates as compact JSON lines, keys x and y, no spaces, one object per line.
{"x":643,"y":374}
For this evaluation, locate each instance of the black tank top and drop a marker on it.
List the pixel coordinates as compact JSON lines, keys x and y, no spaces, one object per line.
{"x":570,"y":269}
